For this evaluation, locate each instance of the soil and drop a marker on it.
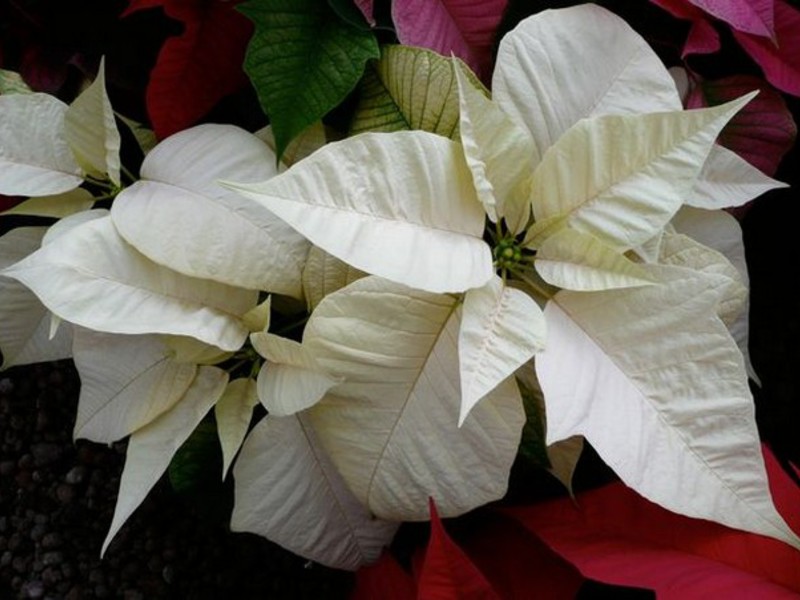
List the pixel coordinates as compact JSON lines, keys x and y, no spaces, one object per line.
{"x":56,"y":502}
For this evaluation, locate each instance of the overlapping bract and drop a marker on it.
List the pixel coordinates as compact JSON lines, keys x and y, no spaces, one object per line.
{"x":402,"y":385}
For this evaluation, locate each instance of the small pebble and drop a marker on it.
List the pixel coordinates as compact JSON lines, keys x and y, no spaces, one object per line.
{"x":33,"y":589}
{"x":45,"y":453}
{"x":52,"y":558}
{"x":75,"y":475}
{"x":65,"y":493}
{"x":38,"y":532}
{"x":51,"y":576}
{"x":6,"y":386}
{"x":168,"y":574}
{"x":51,"y":540}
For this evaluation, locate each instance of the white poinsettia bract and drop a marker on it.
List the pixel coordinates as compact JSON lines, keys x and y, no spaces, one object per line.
{"x":395,"y":300}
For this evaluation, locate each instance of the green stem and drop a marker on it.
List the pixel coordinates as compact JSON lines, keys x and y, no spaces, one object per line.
{"x":102,"y":197}
{"x":101,"y":183}
{"x":532,"y":284}
{"x":127,"y":173}
{"x":291,"y":325}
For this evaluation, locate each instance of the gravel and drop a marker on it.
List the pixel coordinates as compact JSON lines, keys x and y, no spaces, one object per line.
{"x":57,"y":499}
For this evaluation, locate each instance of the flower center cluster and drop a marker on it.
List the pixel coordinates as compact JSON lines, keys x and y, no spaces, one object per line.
{"x":507,"y":253}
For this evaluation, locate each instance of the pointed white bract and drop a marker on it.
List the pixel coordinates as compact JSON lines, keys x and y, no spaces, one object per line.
{"x":398,"y":205}
{"x":392,"y":426}
{"x":92,"y":278}
{"x":288,"y":491}
{"x":565,"y":65}
{"x":501,"y":329}
{"x":728,"y":180}
{"x":179,"y":217}
{"x":233,"y":413}
{"x":626,"y":193}
{"x":574,"y":260}
{"x":656,"y":384}
{"x":151,"y":448}
{"x":91,"y":131}
{"x":290,"y":380}
{"x":127,"y":381}
{"x":719,"y":230}
{"x":24,"y":321}
{"x":58,"y":206}
{"x":501,"y":154}
{"x":35,"y":159}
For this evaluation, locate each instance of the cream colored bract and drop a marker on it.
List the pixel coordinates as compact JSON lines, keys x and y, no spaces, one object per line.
{"x":387,"y":296}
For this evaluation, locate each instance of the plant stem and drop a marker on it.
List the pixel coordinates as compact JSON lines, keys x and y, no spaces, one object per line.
{"x":532,"y":284}
{"x":127,"y":173}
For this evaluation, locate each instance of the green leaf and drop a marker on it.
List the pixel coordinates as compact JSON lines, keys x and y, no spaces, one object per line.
{"x":303,"y":60}
{"x":532,"y":447}
{"x":194,"y":462}
{"x":410,"y":88}
{"x":348,"y":12}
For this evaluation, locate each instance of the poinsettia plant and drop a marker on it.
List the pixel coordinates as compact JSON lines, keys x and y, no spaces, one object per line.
{"x":482,"y":263}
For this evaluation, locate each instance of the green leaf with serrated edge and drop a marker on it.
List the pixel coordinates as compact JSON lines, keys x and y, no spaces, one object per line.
{"x":58,"y":206}
{"x":410,"y":88}
{"x":91,"y":131}
{"x":233,"y":411}
{"x":303,"y":61}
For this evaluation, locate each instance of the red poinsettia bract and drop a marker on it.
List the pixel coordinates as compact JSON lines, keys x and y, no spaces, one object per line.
{"x":196,"y":69}
{"x":768,"y":30}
